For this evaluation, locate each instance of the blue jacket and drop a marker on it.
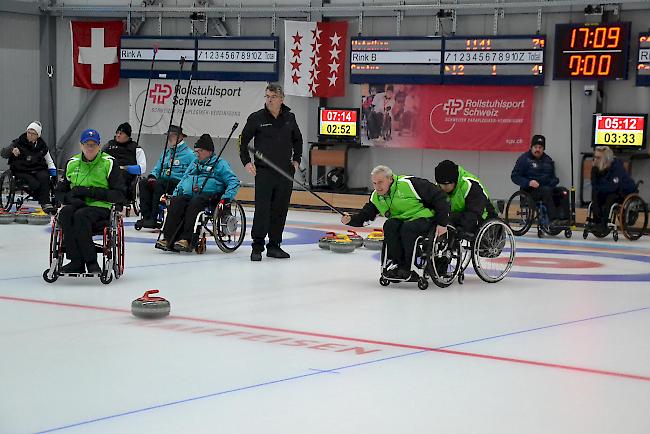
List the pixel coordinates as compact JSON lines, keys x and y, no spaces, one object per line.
{"x":528,"y":168}
{"x":183,"y":158}
{"x":615,"y":179}
{"x":220,"y":180}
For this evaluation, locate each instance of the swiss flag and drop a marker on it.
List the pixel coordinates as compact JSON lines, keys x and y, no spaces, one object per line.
{"x":95,"y":48}
{"x":315,"y":54}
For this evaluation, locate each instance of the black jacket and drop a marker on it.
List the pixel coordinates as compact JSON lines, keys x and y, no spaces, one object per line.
{"x":124,"y":153}
{"x":32,"y":155}
{"x":431,"y":196}
{"x":279,"y":139}
{"x":615,"y":179}
{"x":528,"y":168}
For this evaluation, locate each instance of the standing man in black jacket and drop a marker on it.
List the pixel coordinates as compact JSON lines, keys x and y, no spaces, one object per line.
{"x":278,"y":137}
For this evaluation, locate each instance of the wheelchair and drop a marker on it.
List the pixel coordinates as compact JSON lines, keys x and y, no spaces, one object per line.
{"x":630,"y":216}
{"x":522,"y":211}
{"x":133,"y":197}
{"x":111,"y":246}
{"x":14,"y":192}
{"x":445,"y":258}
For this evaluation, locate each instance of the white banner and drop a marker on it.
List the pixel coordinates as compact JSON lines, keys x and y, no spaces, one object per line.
{"x":212,"y":106}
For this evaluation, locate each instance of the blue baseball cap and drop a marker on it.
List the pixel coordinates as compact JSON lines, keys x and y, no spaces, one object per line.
{"x":90,"y":134}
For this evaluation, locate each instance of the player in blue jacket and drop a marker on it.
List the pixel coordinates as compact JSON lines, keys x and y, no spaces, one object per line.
{"x":610,"y":183}
{"x":164,"y":173}
{"x":534,"y":172}
{"x":208,"y":178}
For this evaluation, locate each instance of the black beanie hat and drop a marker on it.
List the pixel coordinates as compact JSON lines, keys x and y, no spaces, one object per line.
{"x":538,"y":139}
{"x":447,"y":172}
{"x":173,"y":129}
{"x":125,"y":128}
{"x":205,"y":142}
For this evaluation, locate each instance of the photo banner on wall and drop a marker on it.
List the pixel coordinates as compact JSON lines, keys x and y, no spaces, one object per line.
{"x":212,"y":106}
{"x":463,"y":118}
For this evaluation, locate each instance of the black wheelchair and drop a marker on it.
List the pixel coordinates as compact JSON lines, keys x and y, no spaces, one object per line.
{"x":133,"y":197}
{"x":445,"y":258}
{"x":522,"y":211}
{"x":630,"y":216}
{"x":111,"y":246}
{"x":14,"y":192}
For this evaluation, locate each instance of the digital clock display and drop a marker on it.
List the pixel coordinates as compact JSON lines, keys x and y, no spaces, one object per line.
{"x":591,"y":52}
{"x":619,"y":131}
{"x":338,"y":122}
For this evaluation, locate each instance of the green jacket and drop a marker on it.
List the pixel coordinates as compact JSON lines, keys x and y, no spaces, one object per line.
{"x":409,"y":198}
{"x":460,"y":198}
{"x":101,"y":176}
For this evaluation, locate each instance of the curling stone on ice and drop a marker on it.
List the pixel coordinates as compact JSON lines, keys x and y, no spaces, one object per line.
{"x":6,"y":217}
{"x":150,"y":307}
{"x":22,"y":216}
{"x":324,"y":242}
{"x":342,"y":244}
{"x":357,"y":239}
{"x":374,"y":240}
{"x":39,"y":218}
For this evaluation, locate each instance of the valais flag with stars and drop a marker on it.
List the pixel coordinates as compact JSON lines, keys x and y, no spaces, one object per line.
{"x":314,"y":58}
{"x":95,"y":49}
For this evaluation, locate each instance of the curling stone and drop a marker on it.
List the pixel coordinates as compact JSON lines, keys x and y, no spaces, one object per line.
{"x":375,"y":240}
{"x":150,"y":307}
{"x":342,"y":244}
{"x":357,"y":239}
{"x":39,"y":218}
{"x":324,"y":242}
{"x":6,"y":217}
{"x":21,"y":216}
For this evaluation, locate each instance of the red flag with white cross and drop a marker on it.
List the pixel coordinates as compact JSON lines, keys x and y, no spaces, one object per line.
{"x":95,"y":48}
{"x":314,"y":58}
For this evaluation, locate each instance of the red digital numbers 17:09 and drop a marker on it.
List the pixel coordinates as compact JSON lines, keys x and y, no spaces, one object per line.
{"x":599,"y":37}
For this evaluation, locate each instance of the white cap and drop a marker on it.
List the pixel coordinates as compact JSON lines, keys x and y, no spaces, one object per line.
{"x":36,"y":126}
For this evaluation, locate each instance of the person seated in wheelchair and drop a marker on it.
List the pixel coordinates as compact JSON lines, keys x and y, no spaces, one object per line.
{"x":412,"y":206}
{"x":165,"y":176}
{"x":610,"y":183}
{"x":128,"y":155}
{"x":534,"y":173}
{"x":91,"y":185}
{"x":30,"y":162}
{"x":470,"y":203}
{"x":208,"y":178}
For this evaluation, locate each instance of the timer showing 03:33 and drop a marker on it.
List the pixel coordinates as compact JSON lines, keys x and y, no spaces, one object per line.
{"x":619,"y":130}
{"x":591,"y":52}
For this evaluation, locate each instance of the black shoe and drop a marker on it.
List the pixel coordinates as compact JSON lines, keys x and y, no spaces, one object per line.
{"x":398,"y":273}
{"x":276,"y":252}
{"x":149,"y":224}
{"x":256,"y":256}
{"x":93,"y":267}
{"x":73,"y":267}
{"x":48,"y":208}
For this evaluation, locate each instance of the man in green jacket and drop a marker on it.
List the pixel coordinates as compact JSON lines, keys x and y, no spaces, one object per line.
{"x":412,"y":207}
{"x":92,"y":183}
{"x":469,"y":199}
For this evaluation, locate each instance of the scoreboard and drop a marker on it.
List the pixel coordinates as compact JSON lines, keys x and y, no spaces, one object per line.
{"x":515,"y":60}
{"x":393,"y":59}
{"x":218,"y":58}
{"x":620,"y":131}
{"x":494,"y":59}
{"x":643,"y":61}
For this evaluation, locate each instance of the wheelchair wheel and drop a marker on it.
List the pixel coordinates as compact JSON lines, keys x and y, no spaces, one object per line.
{"x":135,"y":202}
{"x":229,"y":227}
{"x":46,"y":276}
{"x":383,"y":281}
{"x":106,"y":277}
{"x":633,"y":217}
{"x":119,"y":247}
{"x":444,"y":260}
{"x":7,"y":190}
{"x":493,"y":251}
{"x":520,"y":212}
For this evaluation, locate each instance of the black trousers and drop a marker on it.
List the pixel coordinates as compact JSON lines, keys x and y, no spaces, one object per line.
{"x":38,"y":184}
{"x":400,"y":238}
{"x":77,"y":225}
{"x":272,"y":197}
{"x":150,"y":196}
{"x":128,"y":184}
{"x":465,"y":221}
{"x":545,"y":195}
{"x":601,"y":203}
{"x":181,"y":216}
